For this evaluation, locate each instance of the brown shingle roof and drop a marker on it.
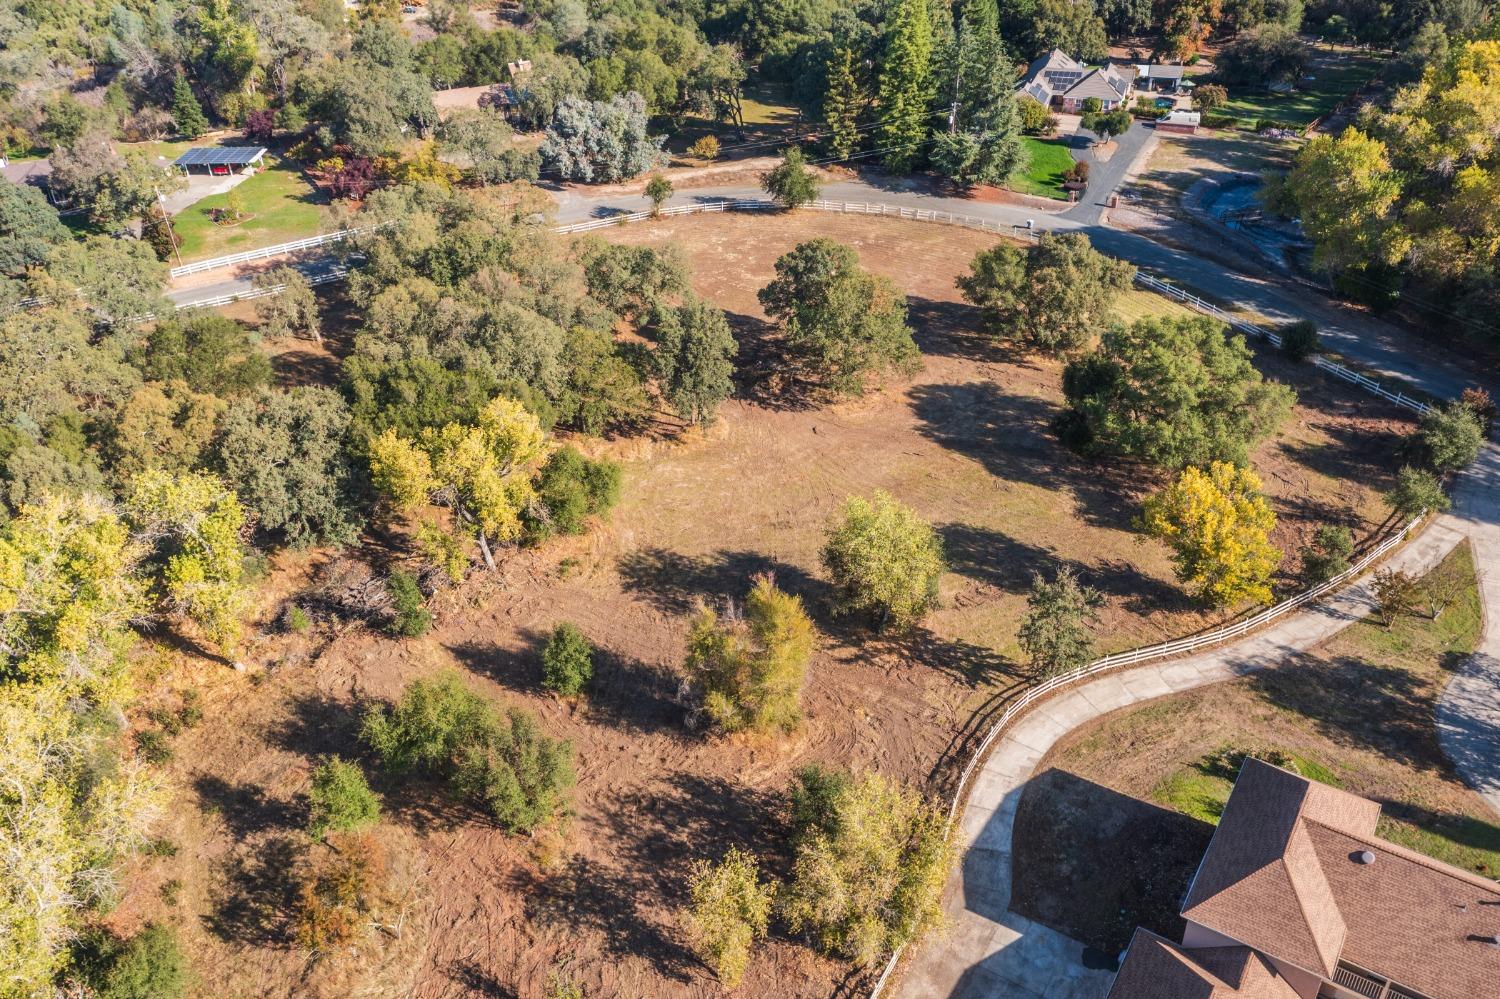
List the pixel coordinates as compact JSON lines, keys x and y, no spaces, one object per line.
{"x":1282,"y":875}
{"x":1155,"y":968}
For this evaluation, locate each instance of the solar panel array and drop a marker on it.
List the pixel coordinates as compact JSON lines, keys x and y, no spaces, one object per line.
{"x":220,"y":155}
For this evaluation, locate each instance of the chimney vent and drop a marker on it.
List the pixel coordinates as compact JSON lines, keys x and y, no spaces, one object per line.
{"x":1364,"y":857}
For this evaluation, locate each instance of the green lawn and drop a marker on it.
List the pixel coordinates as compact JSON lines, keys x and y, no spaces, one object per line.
{"x":1337,"y":74}
{"x":1050,"y":159}
{"x":284,"y":205}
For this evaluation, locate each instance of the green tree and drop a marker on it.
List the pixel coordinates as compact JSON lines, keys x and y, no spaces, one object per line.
{"x":1328,"y":555}
{"x":1055,"y":296}
{"x":150,"y":965}
{"x":567,"y":661}
{"x":1453,"y":435}
{"x":731,"y":908}
{"x":114,"y":279}
{"x":601,"y":141}
{"x":1055,"y":632}
{"x":1073,"y":27}
{"x":906,"y":88}
{"x":842,"y":103}
{"x":984,"y":144}
{"x":1210,"y":96}
{"x":163,"y":426}
{"x":884,"y":560}
{"x":482,"y":142}
{"x":571,"y":489}
{"x":209,"y":352}
{"x":341,"y":799}
{"x":187,"y":113}
{"x":487,"y":471}
{"x":1107,"y":124}
{"x":293,"y":311}
{"x":289,"y":456}
{"x":1300,"y":340}
{"x":790,"y":183}
{"x":1417,"y":491}
{"x":751,"y":671}
{"x":869,"y":868}
{"x":1347,"y":192}
{"x":1218,"y":525}
{"x":29,"y":229}
{"x":1174,"y":392}
{"x":658,"y":189}
{"x":843,"y":323}
{"x":519,"y":775}
{"x":693,"y":359}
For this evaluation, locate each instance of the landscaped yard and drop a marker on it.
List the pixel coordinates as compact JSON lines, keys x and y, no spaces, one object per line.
{"x":1148,"y":783}
{"x":1336,"y":73}
{"x":1043,"y":177}
{"x":283,"y":203}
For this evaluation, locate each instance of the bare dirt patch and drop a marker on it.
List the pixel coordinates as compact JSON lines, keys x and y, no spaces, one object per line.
{"x":966,"y":443}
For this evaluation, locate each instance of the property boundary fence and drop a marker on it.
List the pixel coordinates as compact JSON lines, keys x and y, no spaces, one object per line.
{"x":280,"y":249}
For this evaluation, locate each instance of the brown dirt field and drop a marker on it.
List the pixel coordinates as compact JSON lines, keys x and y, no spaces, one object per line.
{"x":965,"y":443}
{"x":1146,"y":782}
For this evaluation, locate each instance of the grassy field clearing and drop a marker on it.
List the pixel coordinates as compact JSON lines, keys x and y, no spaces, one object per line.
{"x":1336,"y":73}
{"x":1149,"y":783}
{"x":1050,"y":159}
{"x":284,"y":205}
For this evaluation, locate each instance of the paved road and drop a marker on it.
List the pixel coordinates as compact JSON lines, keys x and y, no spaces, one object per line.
{"x":989,"y":951}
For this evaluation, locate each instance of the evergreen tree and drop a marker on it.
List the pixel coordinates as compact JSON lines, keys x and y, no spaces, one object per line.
{"x":841,"y":104}
{"x":187,"y":113}
{"x":983,"y":144}
{"x":906,"y":84}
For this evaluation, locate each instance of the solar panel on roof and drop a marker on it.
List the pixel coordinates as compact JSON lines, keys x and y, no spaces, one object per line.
{"x":211,"y":155}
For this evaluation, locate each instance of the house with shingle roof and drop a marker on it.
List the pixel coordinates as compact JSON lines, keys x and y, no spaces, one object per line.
{"x":1058,"y":80}
{"x":1297,"y":898}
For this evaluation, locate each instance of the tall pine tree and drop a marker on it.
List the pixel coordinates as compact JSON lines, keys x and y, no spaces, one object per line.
{"x":841,"y":104}
{"x":906,"y":84}
{"x":984,"y":143}
{"x":187,"y":113}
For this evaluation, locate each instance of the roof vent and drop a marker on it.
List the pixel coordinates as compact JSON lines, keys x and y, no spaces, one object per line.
{"x":1364,"y":857}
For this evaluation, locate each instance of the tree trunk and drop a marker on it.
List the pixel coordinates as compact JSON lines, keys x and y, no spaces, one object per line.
{"x":484,"y":548}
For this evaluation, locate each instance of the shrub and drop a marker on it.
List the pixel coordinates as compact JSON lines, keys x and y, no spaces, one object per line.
{"x":1417,"y":490}
{"x":731,"y":908}
{"x":869,"y":871}
{"x":338,"y":893}
{"x":341,"y":799}
{"x":296,"y":620}
{"x":1453,"y":435}
{"x":1300,"y":340}
{"x":410,"y":617}
{"x":1210,"y":120}
{"x":1218,"y":526}
{"x":567,"y":661}
{"x":1396,"y":594}
{"x":1328,"y":555}
{"x":884,"y":560}
{"x":1209,"y":96}
{"x":1478,"y":400}
{"x":518,"y":775}
{"x":150,"y":965}
{"x":706,"y":148}
{"x":571,"y":489}
{"x":751,"y":671}
{"x":1035,"y":118}
{"x":500,"y":762}
{"x":791,"y":184}
{"x":658,"y":189}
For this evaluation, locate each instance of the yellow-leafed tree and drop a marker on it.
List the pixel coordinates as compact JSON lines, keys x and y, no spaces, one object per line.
{"x":1218,"y":526}
{"x":487,"y":473}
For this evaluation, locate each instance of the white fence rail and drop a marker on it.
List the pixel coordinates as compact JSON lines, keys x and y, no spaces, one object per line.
{"x":265,"y":252}
{"x":335,"y":273}
{"x":1163,"y":650}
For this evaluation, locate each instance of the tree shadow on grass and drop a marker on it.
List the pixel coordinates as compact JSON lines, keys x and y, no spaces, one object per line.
{"x":316,"y":724}
{"x":674,"y":583}
{"x":634,"y":696}
{"x":246,"y":809}
{"x":969,"y":664}
{"x":254,"y":898}
{"x":1354,"y":453}
{"x":1356,"y":703}
{"x":476,"y":981}
{"x":518,"y":668}
{"x":1010,"y":436}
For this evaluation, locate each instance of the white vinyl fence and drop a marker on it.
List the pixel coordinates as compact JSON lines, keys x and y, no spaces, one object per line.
{"x":266,"y":252}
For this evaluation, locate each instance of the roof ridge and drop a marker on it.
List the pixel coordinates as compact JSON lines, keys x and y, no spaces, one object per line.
{"x":1421,"y":859}
{"x":1327,"y":889}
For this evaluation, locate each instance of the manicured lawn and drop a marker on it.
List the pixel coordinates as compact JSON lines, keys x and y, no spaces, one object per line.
{"x":285,"y":206}
{"x":1336,"y":73}
{"x":1151,"y":782}
{"x":1050,"y":159}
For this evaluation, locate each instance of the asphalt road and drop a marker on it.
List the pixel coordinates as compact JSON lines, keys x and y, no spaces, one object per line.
{"x":1377,"y":346}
